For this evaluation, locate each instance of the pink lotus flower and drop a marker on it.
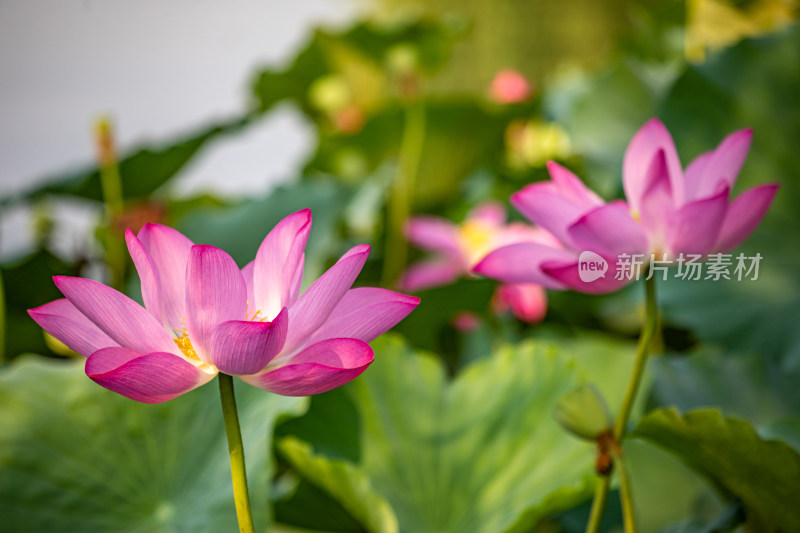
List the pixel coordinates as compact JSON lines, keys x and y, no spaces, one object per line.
{"x":509,"y":87}
{"x":458,"y":248}
{"x":203,"y":315}
{"x":669,"y":211}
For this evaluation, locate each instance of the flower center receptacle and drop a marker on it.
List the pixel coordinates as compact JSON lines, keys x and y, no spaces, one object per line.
{"x":476,"y":239}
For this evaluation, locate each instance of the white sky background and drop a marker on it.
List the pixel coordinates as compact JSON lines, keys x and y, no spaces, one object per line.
{"x":159,"y":68}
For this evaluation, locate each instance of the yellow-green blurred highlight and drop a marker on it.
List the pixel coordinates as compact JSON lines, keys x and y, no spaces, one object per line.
{"x":59,"y":347}
{"x":715,"y":24}
{"x":533,"y":143}
{"x":111,"y":183}
{"x":535,"y":38}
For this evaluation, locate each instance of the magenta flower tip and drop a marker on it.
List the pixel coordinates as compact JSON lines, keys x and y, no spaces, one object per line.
{"x":553,"y":167}
{"x":413,"y":301}
{"x":205,"y":249}
{"x":305,"y":213}
{"x":479,"y":268}
{"x":60,"y":280}
{"x":153,"y":227}
{"x":517,"y":199}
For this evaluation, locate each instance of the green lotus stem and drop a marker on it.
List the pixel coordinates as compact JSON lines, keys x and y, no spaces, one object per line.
{"x":645,"y":340}
{"x":626,"y":498}
{"x":109,"y":170}
{"x":2,"y":321}
{"x":241,"y":496}
{"x":598,"y":504}
{"x":634,"y":384}
{"x":111,"y":184}
{"x":401,"y":195}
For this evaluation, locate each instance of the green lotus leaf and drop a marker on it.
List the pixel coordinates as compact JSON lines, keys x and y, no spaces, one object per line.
{"x":763,"y":474}
{"x":481,"y":452}
{"x":77,"y":457}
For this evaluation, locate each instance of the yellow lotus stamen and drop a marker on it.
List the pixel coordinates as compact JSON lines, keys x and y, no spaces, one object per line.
{"x":256,"y":317}
{"x":185,"y":345}
{"x":636,"y":217}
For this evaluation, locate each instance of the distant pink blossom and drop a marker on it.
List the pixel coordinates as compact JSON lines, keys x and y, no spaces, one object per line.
{"x":457,"y":248}
{"x":669,"y":211}
{"x":466,"y":321}
{"x":527,"y":301}
{"x":203,"y":315}
{"x":509,"y":87}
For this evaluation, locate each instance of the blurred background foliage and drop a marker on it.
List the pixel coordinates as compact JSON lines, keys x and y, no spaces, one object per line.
{"x":450,"y":430}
